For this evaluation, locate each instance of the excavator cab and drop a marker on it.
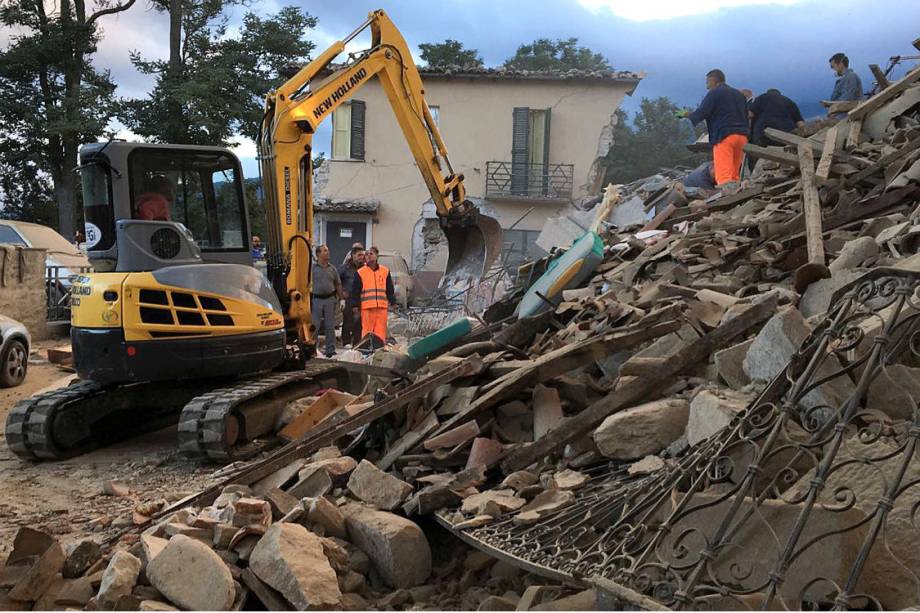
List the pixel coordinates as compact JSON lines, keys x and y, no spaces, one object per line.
{"x":151,"y":206}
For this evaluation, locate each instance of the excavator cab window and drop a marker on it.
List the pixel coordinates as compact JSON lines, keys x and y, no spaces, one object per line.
{"x":200,"y":189}
{"x":96,"y":184}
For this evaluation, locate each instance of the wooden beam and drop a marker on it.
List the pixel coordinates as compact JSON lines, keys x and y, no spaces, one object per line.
{"x":880,"y":99}
{"x":811,"y":205}
{"x":822,"y":173}
{"x":631,"y":390}
{"x":880,"y":79}
{"x":788,"y":138}
{"x":853,"y":134}
{"x":774,"y":154}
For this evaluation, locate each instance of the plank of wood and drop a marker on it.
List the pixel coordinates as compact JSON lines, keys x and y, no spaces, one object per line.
{"x":853,"y":133}
{"x":631,"y":390}
{"x":823,"y":171}
{"x":62,"y":355}
{"x":880,"y":79}
{"x":660,"y":218}
{"x":880,"y":99}
{"x":774,"y":154}
{"x":794,"y":140}
{"x":839,"y":106}
{"x":788,"y":138}
{"x":884,"y":161}
{"x":321,"y":408}
{"x":811,"y":204}
{"x":555,"y":363}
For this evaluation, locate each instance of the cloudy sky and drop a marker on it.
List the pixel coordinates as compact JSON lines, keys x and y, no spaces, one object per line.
{"x":758,"y":43}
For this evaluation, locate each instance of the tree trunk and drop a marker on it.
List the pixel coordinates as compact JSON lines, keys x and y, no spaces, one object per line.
{"x":175,"y":132}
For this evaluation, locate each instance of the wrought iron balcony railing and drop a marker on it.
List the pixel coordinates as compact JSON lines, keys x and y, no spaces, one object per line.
{"x":529,"y":181}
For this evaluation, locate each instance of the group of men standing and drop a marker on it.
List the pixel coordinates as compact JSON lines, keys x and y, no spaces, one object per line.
{"x":733,"y":117}
{"x":367,"y":289}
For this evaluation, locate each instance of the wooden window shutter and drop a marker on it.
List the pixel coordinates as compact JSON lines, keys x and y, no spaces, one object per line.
{"x":357,"y":129}
{"x":546,"y":181}
{"x":520,"y":144}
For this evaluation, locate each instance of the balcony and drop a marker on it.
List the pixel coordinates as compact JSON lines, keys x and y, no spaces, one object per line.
{"x":516,"y":181}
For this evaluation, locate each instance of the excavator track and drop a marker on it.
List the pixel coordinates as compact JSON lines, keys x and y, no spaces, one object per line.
{"x":30,"y":424}
{"x":221,"y":424}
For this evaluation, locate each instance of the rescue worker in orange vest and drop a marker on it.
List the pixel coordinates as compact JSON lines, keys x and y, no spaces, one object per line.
{"x":377,"y":293}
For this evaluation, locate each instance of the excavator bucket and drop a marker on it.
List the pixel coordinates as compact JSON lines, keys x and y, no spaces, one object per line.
{"x":473,"y":246}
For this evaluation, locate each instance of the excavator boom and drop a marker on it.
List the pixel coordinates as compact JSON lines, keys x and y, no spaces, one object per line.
{"x":294,"y":112}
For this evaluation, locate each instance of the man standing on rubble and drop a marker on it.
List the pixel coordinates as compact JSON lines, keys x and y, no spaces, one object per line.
{"x":326,"y":291}
{"x":351,"y":283}
{"x":772,"y":109}
{"x":848,"y":85}
{"x":725,"y":110}
{"x":377,"y":294}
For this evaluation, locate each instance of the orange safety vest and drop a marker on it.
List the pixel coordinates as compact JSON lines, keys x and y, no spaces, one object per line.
{"x":374,"y":287}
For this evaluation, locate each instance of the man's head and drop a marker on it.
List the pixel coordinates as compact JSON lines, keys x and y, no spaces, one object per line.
{"x":256,"y":241}
{"x":322,"y":254}
{"x":773,"y":90}
{"x":714,"y":78}
{"x":371,"y":256}
{"x":748,"y":94}
{"x":161,"y":184}
{"x":357,"y":256}
{"x":839,"y":63}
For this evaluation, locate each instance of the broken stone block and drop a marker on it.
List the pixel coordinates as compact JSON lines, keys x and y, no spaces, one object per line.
{"x":115,"y":488}
{"x":223,"y":535}
{"x":549,"y":501}
{"x":642,"y":430}
{"x":155,"y":605}
{"x":730,"y":364}
{"x":119,"y":578}
{"x":505,"y":500}
{"x":41,"y":574}
{"x":711,"y":410}
{"x":478,"y":560}
{"x":547,"y":411}
{"x":648,"y":464}
{"x":453,"y":437}
{"x":520,"y":479}
{"x":817,"y":298}
{"x":281,"y":502}
{"x":81,"y":557}
{"x":396,"y":546}
{"x":352,"y":582}
{"x":47,"y":600}
{"x":895,"y":391}
{"x":322,"y":512}
{"x":152,"y":546}
{"x":338,"y":468}
{"x":854,"y":253}
{"x":249,"y":511}
{"x":74,"y":593}
{"x":484,"y":452}
{"x":291,"y":559}
{"x":569,"y":479}
{"x":312,"y":484}
{"x":373,"y":486}
{"x":201,"y":534}
{"x":192,"y":576}
{"x":775,"y":345}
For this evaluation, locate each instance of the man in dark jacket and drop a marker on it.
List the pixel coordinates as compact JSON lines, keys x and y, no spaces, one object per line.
{"x":351,"y":283}
{"x":725,"y":110}
{"x":773,"y":110}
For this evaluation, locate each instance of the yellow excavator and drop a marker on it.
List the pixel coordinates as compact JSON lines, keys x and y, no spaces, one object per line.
{"x":176,"y":320}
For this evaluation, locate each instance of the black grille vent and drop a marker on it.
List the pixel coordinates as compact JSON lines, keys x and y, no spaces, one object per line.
{"x":153,"y":296}
{"x":165,"y":243}
{"x":189,"y":318}
{"x":211,"y":304}
{"x":156,"y":316}
{"x":184,"y":300}
{"x":220,"y":320}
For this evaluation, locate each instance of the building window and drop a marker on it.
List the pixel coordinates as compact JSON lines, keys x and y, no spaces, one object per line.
{"x":530,"y":151}
{"x":348,"y":131}
{"x":520,"y":247}
{"x":435,"y":114}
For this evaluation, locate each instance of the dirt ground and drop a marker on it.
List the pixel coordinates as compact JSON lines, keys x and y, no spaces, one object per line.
{"x":66,"y":498}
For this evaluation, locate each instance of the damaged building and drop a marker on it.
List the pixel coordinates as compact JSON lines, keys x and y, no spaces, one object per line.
{"x":523,"y":140}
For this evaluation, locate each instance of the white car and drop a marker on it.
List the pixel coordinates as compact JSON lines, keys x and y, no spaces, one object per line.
{"x":14,"y":352}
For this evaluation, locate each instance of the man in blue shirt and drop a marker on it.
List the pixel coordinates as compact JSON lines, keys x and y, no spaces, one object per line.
{"x":848,"y":85}
{"x":725,"y":110}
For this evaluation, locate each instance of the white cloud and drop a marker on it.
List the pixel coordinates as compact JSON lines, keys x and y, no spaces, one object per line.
{"x":650,"y":10}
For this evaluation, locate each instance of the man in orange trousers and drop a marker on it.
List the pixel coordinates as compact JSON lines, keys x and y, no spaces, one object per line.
{"x":377,"y":294}
{"x":725,"y":110}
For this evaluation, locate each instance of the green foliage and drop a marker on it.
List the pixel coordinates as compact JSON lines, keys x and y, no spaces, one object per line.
{"x":218,"y":90}
{"x":449,"y":53}
{"x":655,"y":139}
{"x":51,"y":99}
{"x":562,"y":54}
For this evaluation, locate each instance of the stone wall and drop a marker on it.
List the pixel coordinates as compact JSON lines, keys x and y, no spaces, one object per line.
{"x":22,"y":287}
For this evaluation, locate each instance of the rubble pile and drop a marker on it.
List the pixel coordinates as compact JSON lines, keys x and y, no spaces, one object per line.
{"x":697,"y":369}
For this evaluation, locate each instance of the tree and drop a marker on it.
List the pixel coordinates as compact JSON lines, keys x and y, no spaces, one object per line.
{"x":656,"y":139}
{"x":545,"y":54}
{"x":51,"y":100}
{"x":449,"y":53}
{"x":213,"y":85}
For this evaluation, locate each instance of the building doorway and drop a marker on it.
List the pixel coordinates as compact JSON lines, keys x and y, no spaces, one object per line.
{"x":341,"y":235}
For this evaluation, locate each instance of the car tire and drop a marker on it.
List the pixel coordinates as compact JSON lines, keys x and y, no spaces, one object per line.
{"x":14,"y":363}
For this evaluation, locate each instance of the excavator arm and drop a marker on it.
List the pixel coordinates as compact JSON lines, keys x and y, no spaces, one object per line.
{"x":293,"y":113}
